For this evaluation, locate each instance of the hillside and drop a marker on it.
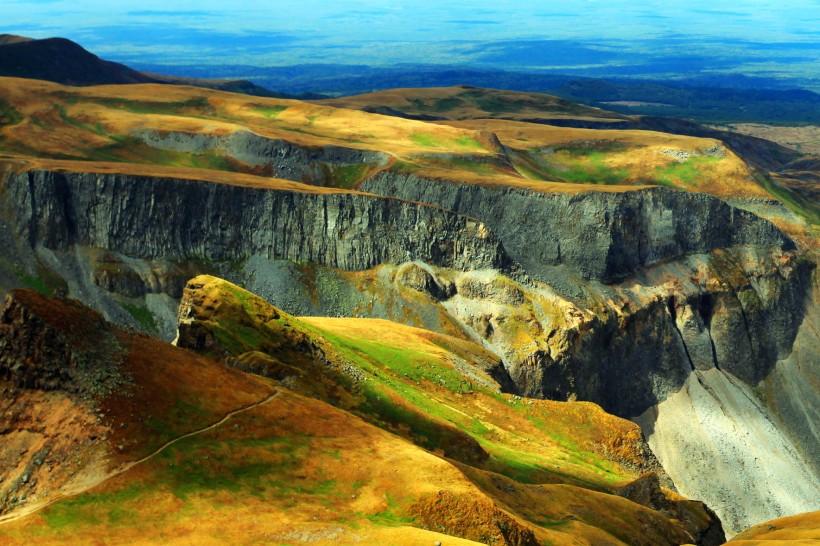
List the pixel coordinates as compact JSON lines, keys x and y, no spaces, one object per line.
{"x":466,"y":102}
{"x":669,"y":279}
{"x":62,"y":61}
{"x":185,"y":445}
{"x":197,"y":128}
{"x":802,"y":529}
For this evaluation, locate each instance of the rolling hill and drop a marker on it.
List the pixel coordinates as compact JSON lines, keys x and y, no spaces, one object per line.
{"x":488,"y":298}
{"x":184,"y":447}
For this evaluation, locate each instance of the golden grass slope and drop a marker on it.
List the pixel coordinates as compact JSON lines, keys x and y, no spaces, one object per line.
{"x":465,"y":102}
{"x":46,"y":120}
{"x":440,"y":393}
{"x":789,"y":531}
{"x":91,"y":116}
{"x":227,"y":457}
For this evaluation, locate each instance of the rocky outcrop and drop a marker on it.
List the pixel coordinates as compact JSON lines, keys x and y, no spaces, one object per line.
{"x":738,"y":311}
{"x":172,"y":219}
{"x":719,"y":443}
{"x":605,"y":236}
{"x":57,"y":345}
{"x":279,"y":158}
{"x":471,"y":518}
{"x":695,"y":517}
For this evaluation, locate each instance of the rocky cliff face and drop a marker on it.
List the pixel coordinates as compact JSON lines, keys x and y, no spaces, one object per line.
{"x":604,"y":236}
{"x":280,"y":158}
{"x":153,"y":218}
{"x":629,"y":346}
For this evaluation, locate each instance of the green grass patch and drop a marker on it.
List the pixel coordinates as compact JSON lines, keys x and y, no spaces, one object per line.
{"x":9,"y":115}
{"x":44,"y":280}
{"x":267,"y":468}
{"x":178,"y":420}
{"x":469,"y":142}
{"x":687,"y":172}
{"x":574,"y":164}
{"x":798,"y":204}
{"x":426,"y":140}
{"x":142,"y":315}
{"x":109,"y":509}
{"x":243,"y":297}
{"x":237,"y":338}
{"x":347,"y":176}
{"x":391,"y":516}
{"x":270,"y":112}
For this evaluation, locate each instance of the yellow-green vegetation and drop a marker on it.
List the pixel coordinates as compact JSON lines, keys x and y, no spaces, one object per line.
{"x":144,"y":317}
{"x":9,"y":114}
{"x":45,"y":124}
{"x":578,"y":165}
{"x":251,"y":462}
{"x":348,"y":176}
{"x":271,"y":112}
{"x":690,"y":172}
{"x":99,"y":127}
{"x":412,"y":382}
{"x":43,"y":280}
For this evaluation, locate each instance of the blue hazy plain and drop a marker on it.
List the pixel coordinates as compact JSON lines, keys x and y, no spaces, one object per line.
{"x":775,"y":39}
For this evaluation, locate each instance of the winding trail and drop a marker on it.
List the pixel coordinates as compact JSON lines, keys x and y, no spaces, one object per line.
{"x":37,"y":506}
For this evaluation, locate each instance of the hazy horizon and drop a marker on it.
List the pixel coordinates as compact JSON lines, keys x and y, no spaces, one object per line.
{"x":588,"y":36}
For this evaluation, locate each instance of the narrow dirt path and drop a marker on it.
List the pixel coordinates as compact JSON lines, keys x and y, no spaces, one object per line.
{"x":37,"y":506}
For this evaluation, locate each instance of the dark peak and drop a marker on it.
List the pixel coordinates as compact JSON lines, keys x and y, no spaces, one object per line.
{"x":62,"y":61}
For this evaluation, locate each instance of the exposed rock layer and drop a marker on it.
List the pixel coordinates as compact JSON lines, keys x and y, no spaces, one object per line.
{"x":604,"y":236}
{"x":283,"y":159}
{"x":173,"y":219}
